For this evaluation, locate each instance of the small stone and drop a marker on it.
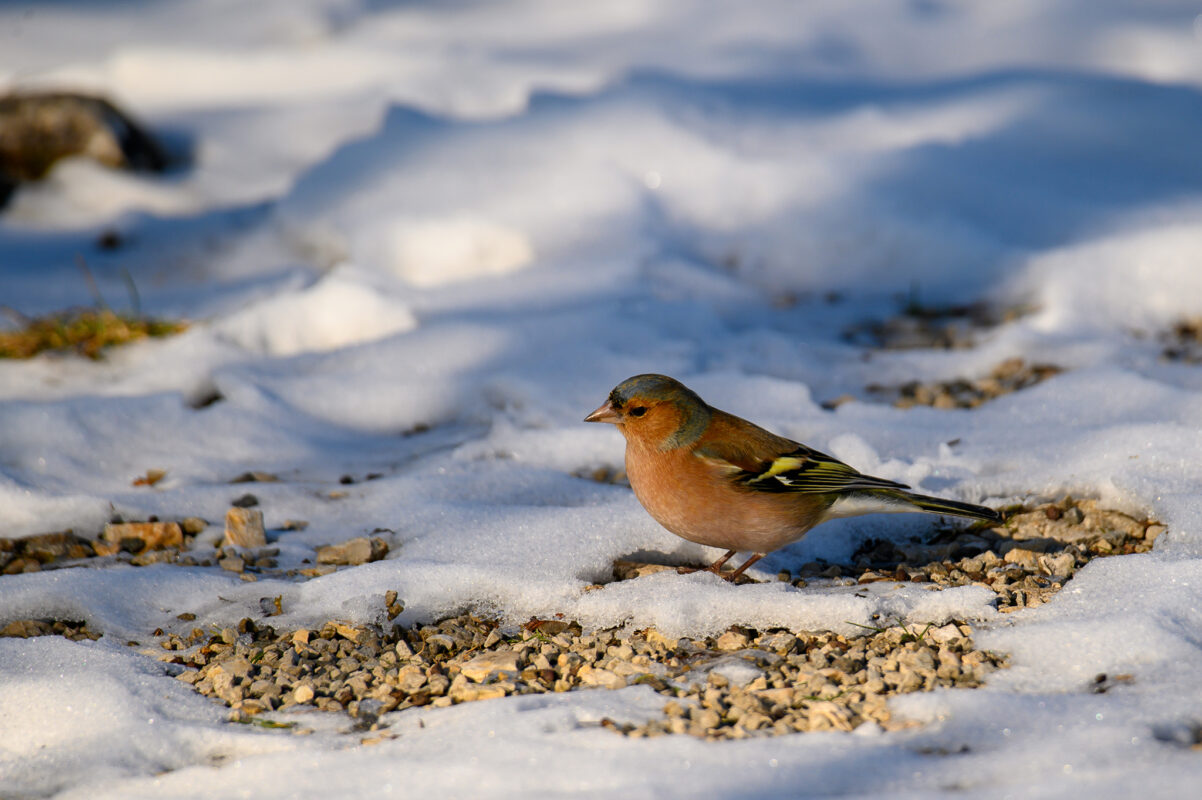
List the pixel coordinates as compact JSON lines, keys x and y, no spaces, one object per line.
{"x":244,"y":528}
{"x":707,"y":718}
{"x":148,"y":557}
{"x":103,"y":548}
{"x":826,"y":715}
{"x":733,"y":640}
{"x":944,"y":633}
{"x":629,"y":570}
{"x":440,"y":641}
{"x":193,"y":525}
{"x":547,"y":627}
{"x":604,"y":678}
{"x":348,"y":632}
{"x":657,"y":639}
{"x":410,"y":678}
{"x":1060,"y":564}
{"x":488,"y":665}
{"x":673,"y":709}
{"x":42,"y":127}
{"x":132,"y":544}
{"x":153,"y":535}
{"x":47,"y":547}
{"x":152,"y":477}
{"x":831,"y":405}
{"x":260,"y":687}
{"x":232,"y":564}
{"x":255,"y":477}
{"x":1027,"y":559}
{"x":777,"y":697}
{"x":317,"y":572}
{"x":468,"y":692}
{"x":303,"y":693}
{"x":18,"y":566}
{"x":754,"y":720}
{"x":360,"y":550}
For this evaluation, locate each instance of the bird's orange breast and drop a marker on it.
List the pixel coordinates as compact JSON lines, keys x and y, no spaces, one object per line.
{"x":697,"y":500}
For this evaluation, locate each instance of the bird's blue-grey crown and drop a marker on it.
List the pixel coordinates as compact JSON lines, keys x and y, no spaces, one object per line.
{"x":696,"y":414}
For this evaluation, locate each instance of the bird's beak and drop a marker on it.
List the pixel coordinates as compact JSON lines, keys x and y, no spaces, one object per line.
{"x":605,"y":413}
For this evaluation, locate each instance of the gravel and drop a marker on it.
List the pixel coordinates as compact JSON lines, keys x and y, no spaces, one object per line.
{"x":1009,"y":376}
{"x":944,"y":328}
{"x":1183,"y":342}
{"x":26,"y":628}
{"x":742,"y":683}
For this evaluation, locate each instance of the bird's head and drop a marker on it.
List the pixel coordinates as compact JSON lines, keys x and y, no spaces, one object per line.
{"x":655,"y":409}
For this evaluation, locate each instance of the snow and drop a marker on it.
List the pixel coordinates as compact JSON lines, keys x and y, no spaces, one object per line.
{"x":424,"y":240}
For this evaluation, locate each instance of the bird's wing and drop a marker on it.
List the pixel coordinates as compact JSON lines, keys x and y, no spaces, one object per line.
{"x":802,"y":470}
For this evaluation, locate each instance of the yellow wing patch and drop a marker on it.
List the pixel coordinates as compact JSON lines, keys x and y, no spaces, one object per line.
{"x":778,"y":466}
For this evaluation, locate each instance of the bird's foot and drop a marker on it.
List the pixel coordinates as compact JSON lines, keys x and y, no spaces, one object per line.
{"x":716,"y":567}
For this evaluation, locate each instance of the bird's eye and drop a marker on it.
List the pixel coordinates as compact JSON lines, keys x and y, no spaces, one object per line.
{"x":637,"y":412}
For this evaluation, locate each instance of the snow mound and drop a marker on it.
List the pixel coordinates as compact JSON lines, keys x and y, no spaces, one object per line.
{"x":337,"y":311}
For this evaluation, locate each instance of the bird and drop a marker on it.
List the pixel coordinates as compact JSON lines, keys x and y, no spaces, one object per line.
{"x":718,"y":480}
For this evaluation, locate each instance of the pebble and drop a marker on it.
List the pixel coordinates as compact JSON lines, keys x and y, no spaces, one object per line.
{"x":488,"y":665}
{"x":1027,"y":559}
{"x":244,"y":528}
{"x":152,"y":535}
{"x":360,"y":550}
{"x":1183,"y":341}
{"x":148,"y":557}
{"x":256,"y":476}
{"x":193,"y":525}
{"x":593,"y":676}
{"x":624,"y":570}
{"x":733,"y":639}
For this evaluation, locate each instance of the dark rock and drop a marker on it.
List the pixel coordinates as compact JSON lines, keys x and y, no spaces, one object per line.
{"x":38,"y":129}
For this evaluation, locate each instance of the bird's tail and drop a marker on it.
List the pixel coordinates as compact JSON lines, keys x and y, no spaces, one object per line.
{"x":937,"y":505}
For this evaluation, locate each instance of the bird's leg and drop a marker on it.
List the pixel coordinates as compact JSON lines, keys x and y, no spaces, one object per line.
{"x":715,"y":568}
{"x":734,"y":575}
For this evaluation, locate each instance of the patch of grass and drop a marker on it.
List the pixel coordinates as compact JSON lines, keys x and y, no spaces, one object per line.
{"x":85,"y":331}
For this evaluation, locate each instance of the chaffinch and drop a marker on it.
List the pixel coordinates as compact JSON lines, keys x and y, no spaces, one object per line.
{"x":718,"y":480}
